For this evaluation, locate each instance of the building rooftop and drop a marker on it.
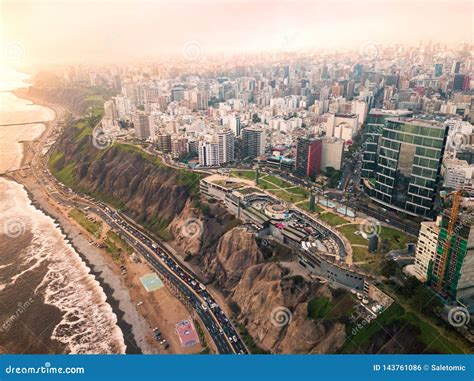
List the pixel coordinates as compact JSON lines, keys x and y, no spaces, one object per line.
{"x":418,"y":122}
{"x":379,"y":111}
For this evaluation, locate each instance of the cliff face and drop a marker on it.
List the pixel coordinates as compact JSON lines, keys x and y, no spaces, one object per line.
{"x":271,"y":306}
{"x":76,"y":99}
{"x":123,"y":175}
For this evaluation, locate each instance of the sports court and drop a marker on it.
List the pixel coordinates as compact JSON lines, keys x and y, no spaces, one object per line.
{"x":187,"y":333}
{"x":151,"y":282}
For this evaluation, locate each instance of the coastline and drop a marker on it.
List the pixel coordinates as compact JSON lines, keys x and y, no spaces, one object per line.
{"x":131,"y":324}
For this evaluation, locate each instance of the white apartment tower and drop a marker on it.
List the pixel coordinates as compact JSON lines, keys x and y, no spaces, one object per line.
{"x":208,"y":154}
{"x":425,"y":248}
{"x":226,"y":146}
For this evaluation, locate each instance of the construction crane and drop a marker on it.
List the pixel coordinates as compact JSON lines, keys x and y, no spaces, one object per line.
{"x":453,"y":216}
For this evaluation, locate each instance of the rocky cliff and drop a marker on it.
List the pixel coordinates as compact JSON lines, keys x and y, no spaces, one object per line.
{"x":271,"y":306}
{"x":49,"y":88}
{"x":126,"y":176}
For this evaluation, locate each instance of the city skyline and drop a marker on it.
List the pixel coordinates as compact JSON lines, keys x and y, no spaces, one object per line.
{"x":151,"y":30}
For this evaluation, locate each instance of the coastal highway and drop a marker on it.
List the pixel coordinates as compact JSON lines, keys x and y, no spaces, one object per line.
{"x":219,"y":327}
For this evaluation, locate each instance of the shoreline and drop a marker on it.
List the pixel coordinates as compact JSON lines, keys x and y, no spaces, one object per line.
{"x":117,"y":295}
{"x":126,"y":328}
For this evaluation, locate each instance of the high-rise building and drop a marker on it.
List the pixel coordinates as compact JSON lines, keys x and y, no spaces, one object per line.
{"x":226,"y":146}
{"x":371,"y":134}
{"x":253,"y":142}
{"x":110,"y":111}
{"x":343,"y":126}
{"x":208,"y":154}
{"x":407,"y":175}
{"x":308,"y":157}
{"x":456,"y":67}
{"x":123,"y":106}
{"x":332,"y":151}
{"x":163,"y":142}
{"x":425,"y":248}
{"x":177,"y":93}
{"x":459,"y":82}
{"x":179,"y":146}
{"x":234,"y":125}
{"x":455,"y":279}
{"x":143,"y":126}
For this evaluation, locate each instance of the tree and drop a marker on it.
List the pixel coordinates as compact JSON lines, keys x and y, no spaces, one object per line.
{"x":256,"y":118}
{"x":389,"y":268}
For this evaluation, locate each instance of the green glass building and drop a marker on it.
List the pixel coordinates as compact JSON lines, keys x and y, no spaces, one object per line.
{"x":458,"y":275}
{"x":409,"y":156}
{"x":372,"y":131}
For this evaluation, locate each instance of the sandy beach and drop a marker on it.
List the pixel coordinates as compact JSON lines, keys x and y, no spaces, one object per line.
{"x":124,"y":291}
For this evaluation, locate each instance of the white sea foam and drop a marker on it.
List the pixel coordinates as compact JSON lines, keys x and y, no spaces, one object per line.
{"x":88,"y":324}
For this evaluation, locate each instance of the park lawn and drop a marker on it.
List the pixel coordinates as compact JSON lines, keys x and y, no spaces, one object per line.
{"x":287,"y":196}
{"x":432,"y":331}
{"x":350,"y":232}
{"x":248,"y":175}
{"x":277,"y":181}
{"x":360,"y":254}
{"x":305,"y":206}
{"x":332,"y":219}
{"x":395,"y":238}
{"x":429,"y":335}
{"x":262,"y":183}
{"x":92,"y":227}
{"x":298,"y":190}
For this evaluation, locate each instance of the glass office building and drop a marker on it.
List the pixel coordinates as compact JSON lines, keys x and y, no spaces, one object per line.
{"x":372,"y":131}
{"x":407,"y":175}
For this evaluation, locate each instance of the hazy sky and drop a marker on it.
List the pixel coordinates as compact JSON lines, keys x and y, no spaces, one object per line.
{"x":57,"y":31}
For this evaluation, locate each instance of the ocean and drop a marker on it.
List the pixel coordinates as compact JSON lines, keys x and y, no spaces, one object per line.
{"x":49,"y":300}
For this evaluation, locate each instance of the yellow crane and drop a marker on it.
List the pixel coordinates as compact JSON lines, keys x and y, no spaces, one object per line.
{"x":453,"y":216}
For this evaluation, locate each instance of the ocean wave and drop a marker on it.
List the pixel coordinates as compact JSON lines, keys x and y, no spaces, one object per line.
{"x":88,"y":324}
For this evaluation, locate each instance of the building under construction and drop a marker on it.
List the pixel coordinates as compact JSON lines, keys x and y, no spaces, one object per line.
{"x":451,"y":271}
